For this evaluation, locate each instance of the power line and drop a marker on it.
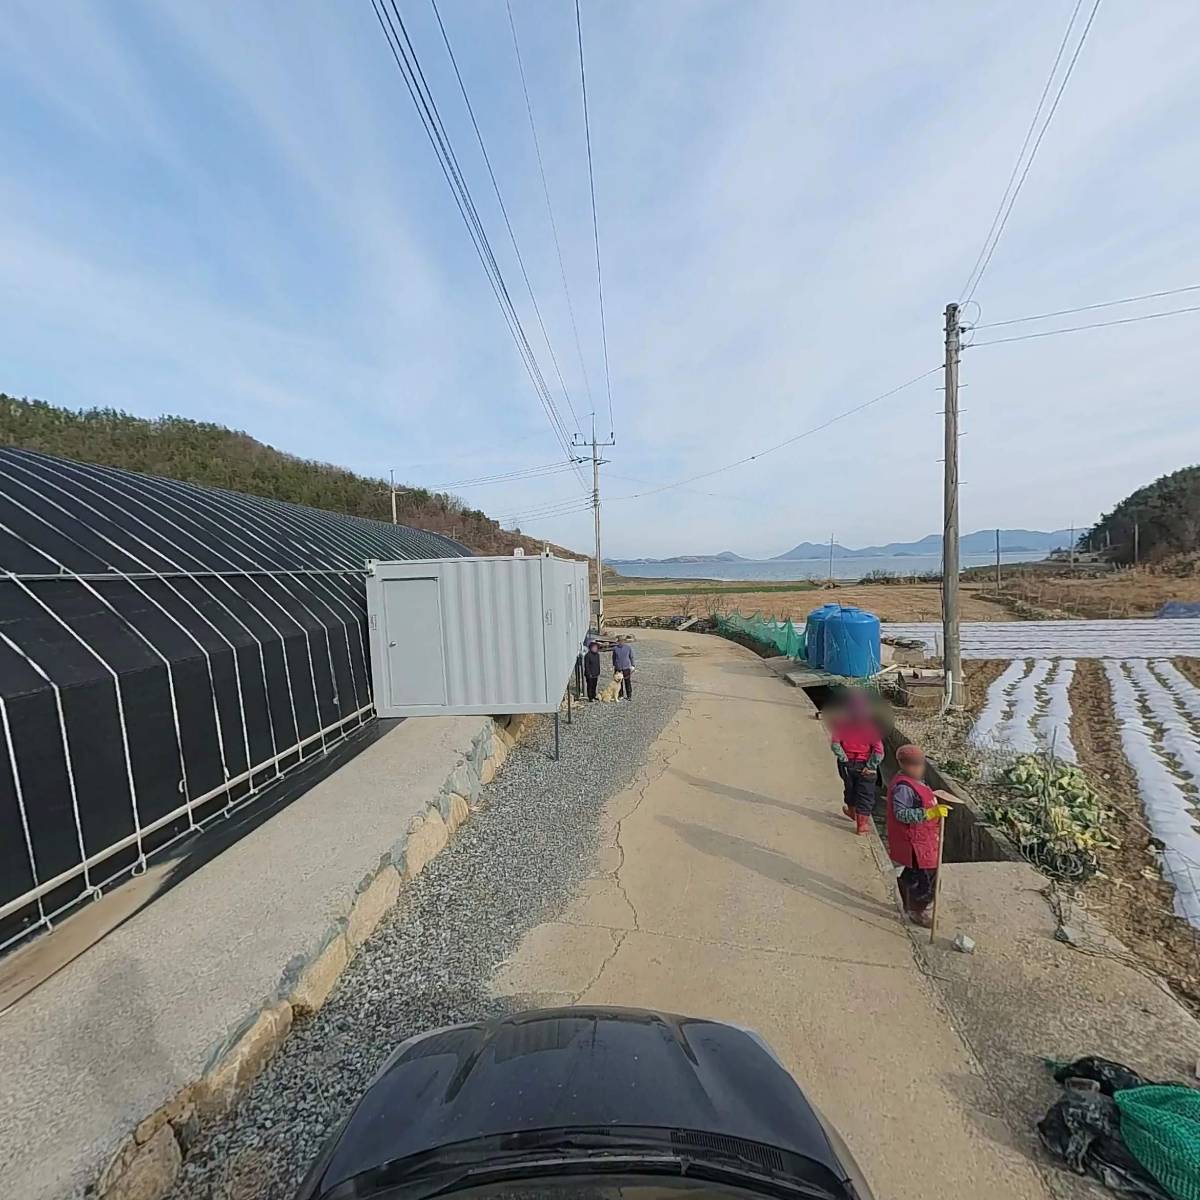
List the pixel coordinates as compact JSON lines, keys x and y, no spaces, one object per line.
{"x":564,"y":502}
{"x":562,"y":509}
{"x":537,"y":146}
{"x":587,"y":129}
{"x":724,"y":497}
{"x":555,"y":468}
{"x":787,"y":441}
{"x":1023,"y":337}
{"x":1037,"y":112}
{"x":1063,"y":312}
{"x":462,"y":87}
{"x":1007,"y":201}
{"x":410,"y":69}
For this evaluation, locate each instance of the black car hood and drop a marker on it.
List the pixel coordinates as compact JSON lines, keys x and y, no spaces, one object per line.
{"x":574,"y":1067}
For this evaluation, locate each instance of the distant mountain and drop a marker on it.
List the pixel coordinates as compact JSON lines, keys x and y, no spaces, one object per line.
{"x":724,"y":556}
{"x":981,"y":542}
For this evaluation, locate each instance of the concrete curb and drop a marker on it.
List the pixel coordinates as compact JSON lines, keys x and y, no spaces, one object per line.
{"x":146,"y":1163}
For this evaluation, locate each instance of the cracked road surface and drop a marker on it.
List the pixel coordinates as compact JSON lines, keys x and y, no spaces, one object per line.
{"x":728,"y":884}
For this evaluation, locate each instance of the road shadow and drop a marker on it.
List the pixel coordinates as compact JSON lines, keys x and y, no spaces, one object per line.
{"x":824,"y":816}
{"x":1002,"y":1124}
{"x":778,"y":868}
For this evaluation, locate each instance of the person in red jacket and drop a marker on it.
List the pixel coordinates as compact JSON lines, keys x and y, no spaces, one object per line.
{"x":857,"y":744}
{"x":914,"y":829}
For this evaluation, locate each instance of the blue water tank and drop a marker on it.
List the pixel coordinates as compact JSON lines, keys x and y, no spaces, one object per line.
{"x":814,"y":634}
{"x":851,"y":644}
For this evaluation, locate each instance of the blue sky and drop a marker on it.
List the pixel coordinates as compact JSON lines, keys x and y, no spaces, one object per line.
{"x":230,"y":212}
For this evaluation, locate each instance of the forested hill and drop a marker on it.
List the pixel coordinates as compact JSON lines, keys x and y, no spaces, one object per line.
{"x":1166,"y":513}
{"x":200,"y":452}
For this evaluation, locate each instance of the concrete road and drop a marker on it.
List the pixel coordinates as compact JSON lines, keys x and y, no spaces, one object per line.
{"x":729,"y":886}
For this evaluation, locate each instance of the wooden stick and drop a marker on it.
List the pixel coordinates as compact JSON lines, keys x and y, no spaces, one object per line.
{"x":937,"y":880}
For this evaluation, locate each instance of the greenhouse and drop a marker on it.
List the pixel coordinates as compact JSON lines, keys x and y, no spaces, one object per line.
{"x":167,"y":652}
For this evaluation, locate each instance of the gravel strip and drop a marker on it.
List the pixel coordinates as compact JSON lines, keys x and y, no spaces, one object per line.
{"x":514,"y":865}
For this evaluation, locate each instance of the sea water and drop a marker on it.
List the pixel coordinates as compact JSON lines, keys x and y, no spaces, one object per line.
{"x":813,"y":568}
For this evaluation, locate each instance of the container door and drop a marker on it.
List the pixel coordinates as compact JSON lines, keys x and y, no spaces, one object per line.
{"x":412,"y":630}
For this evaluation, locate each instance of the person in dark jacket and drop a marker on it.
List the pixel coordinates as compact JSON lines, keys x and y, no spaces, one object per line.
{"x":857,"y":744}
{"x":591,"y":669}
{"x":914,"y":827}
{"x":623,"y":666}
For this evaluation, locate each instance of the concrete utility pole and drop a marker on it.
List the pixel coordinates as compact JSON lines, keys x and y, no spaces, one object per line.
{"x":997,"y":560}
{"x":951,"y":648}
{"x":392,"y":477}
{"x":597,"y":463}
{"x":831,"y":558}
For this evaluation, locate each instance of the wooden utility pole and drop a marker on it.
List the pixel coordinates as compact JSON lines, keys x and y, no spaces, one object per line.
{"x":597,"y":463}
{"x":392,"y":477}
{"x":951,"y":648}
{"x":997,"y":560}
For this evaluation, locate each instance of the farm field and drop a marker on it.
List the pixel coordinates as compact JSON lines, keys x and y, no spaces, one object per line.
{"x":1072,"y":639}
{"x":1128,"y":593}
{"x":1134,"y":725}
{"x":625,"y":598}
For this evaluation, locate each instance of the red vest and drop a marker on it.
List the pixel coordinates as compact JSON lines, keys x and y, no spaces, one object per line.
{"x":913,"y":845}
{"x":858,"y":738}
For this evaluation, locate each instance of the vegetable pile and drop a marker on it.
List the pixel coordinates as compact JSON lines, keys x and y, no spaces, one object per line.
{"x":1050,"y":809}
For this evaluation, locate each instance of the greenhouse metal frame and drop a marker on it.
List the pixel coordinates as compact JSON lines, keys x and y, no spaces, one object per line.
{"x":167,"y":652}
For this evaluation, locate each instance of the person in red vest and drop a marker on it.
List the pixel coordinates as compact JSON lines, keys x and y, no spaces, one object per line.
{"x":914,"y":829}
{"x":857,"y":744}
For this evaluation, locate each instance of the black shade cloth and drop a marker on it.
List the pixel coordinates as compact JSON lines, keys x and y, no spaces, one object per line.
{"x":158,"y":640}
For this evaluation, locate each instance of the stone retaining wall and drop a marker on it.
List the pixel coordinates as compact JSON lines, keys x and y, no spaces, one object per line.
{"x":145,"y":1164}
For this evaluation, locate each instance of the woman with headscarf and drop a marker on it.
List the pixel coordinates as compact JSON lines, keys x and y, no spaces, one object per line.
{"x":857,"y":744}
{"x":914,"y":828}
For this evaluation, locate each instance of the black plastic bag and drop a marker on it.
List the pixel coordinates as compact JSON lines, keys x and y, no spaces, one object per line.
{"x":1083,"y":1129}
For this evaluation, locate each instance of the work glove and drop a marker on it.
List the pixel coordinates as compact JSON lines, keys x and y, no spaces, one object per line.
{"x":937,"y":813}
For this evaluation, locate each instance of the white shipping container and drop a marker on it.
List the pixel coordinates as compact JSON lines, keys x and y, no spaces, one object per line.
{"x":461,"y":636}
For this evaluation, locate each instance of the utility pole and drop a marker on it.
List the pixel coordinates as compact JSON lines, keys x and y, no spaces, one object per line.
{"x":831,"y":559}
{"x":997,"y":560}
{"x":1136,"y":545}
{"x":951,"y":647}
{"x":392,"y":477}
{"x":1071,"y":551}
{"x":597,"y":463}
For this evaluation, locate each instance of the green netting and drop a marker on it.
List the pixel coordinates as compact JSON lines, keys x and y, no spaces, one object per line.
{"x":1161,"y":1126}
{"x":782,"y":636}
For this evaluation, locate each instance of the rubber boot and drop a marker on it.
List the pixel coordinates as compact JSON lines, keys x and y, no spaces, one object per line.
{"x":921,"y":916}
{"x":862,"y":824}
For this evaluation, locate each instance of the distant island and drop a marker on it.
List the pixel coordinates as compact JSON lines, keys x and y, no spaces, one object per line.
{"x":1012,"y":541}
{"x":724,"y":556}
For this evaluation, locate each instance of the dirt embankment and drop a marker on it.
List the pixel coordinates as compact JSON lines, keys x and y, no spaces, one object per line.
{"x":699,"y":598}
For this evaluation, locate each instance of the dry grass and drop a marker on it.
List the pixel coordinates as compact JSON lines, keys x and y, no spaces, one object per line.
{"x":890,"y":602}
{"x":1134,"y":593}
